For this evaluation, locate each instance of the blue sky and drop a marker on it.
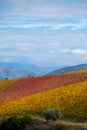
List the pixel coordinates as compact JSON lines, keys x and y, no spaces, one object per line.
{"x":43,"y":32}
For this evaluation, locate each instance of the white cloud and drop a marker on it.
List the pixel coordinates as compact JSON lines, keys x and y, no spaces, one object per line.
{"x":44,"y":31}
{"x":81,"y":24}
{"x":74,"y":51}
{"x":45,"y":8}
{"x":79,"y":52}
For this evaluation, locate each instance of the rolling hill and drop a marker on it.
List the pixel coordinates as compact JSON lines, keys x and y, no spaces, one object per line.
{"x":31,"y":85}
{"x":30,"y":68}
{"x":6,"y":83}
{"x":16,"y":70}
{"x":67,"y":91}
{"x":10,"y":72}
{"x":70,"y":99}
{"x":69,"y":69}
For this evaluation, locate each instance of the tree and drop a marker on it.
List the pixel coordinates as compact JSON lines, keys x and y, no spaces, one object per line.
{"x":29,"y":75}
{"x":6,"y":78}
{"x":62,"y":72}
{"x":52,"y":114}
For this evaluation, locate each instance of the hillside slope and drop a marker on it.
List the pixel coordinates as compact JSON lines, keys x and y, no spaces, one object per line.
{"x":32,"y":69}
{"x":32,"y":85}
{"x":4,"y":84}
{"x":10,"y":72}
{"x":71,"y":99}
{"x":69,"y":69}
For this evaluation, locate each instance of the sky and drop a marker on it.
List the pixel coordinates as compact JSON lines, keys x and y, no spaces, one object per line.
{"x":43,"y":32}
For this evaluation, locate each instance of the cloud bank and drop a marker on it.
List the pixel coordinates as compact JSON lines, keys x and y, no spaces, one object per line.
{"x":43,"y":32}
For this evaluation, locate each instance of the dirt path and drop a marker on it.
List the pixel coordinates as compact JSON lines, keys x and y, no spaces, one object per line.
{"x":71,"y":123}
{"x":67,"y":124}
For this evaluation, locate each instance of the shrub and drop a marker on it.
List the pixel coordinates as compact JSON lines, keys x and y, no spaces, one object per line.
{"x":16,"y":123}
{"x":58,"y":113}
{"x":51,"y":114}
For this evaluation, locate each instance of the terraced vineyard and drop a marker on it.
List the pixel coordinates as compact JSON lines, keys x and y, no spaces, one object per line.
{"x":71,"y":99}
{"x":32,"y":85}
{"x":66,"y":91}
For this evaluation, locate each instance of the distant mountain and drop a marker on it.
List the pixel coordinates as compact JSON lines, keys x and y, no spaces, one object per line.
{"x":34,"y":69}
{"x":10,"y":72}
{"x":69,"y":69}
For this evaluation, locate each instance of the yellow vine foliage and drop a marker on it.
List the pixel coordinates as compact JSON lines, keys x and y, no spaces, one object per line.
{"x":6,"y":83}
{"x":71,"y":99}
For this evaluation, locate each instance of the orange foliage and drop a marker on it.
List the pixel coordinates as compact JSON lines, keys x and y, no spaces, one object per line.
{"x":71,"y":99}
{"x":28,"y":86}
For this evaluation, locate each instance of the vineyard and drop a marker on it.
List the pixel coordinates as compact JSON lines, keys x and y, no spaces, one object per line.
{"x":7,"y":83}
{"x":71,"y":99}
{"x":31,"y":85}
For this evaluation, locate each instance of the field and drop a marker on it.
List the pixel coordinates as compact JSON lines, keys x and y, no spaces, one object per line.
{"x":31,"y":85}
{"x":34,"y":94}
{"x":70,"y":99}
{"x":7,"y":83}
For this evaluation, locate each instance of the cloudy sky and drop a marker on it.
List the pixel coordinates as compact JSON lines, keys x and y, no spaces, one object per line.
{"x":43,"y":32}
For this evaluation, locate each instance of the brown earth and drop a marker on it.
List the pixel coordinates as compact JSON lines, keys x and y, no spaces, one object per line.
{"x":59,"y":125}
